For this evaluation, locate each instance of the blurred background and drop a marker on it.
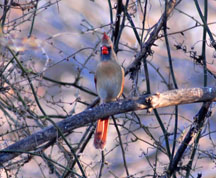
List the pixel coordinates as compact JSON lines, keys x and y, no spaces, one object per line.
{"x":58,"y":43}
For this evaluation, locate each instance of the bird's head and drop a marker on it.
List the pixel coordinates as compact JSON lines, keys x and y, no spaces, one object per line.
{"x":107,"y":52}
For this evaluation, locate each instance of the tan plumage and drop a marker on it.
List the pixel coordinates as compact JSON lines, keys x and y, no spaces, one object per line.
{"x":109,"y":79}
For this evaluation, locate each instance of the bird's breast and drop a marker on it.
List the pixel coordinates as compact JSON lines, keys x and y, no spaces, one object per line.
{"x":109,"y":77}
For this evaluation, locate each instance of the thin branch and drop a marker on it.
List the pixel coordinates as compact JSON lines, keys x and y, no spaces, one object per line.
{"x":102,"y":164}
{"x":213,"y":43}
{"x":122,"y":147}
{"x":121,"y":27}
{"x":118,"y":20}
{"x":33,"y":19}
{"x":174,"y":81}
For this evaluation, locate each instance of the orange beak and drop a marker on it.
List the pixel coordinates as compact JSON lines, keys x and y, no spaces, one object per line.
{"x":104,"y":50}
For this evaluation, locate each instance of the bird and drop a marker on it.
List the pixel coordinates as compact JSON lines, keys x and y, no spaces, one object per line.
{"x":109,"y":82}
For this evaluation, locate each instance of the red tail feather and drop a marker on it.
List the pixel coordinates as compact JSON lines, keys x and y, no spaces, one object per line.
{"x":101,"y":133}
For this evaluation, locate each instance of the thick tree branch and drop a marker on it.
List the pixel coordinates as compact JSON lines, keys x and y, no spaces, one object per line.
{"x":168,"y":98}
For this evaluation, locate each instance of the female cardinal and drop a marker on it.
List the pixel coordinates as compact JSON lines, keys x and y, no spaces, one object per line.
{"x":109,"y":81}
